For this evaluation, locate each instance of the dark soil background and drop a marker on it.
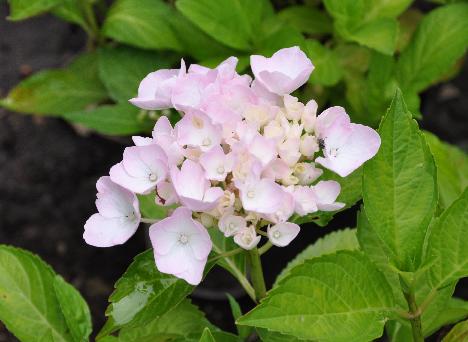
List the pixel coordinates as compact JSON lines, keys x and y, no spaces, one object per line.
{"x":48,"y":173}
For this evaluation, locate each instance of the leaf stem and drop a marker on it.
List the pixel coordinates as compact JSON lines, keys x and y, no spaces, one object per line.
{"x":262,"y":250}
{"x":226,"y":254}
{"x":256,"y":273}
{"x":149,"y":220}
{"x":415,"y":319}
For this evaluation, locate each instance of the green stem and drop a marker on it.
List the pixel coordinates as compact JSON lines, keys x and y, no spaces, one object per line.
{"x":262,"y":250}
{"x":226,"y":254}
{"x":256,"y":273}
{"x":415,"y":319}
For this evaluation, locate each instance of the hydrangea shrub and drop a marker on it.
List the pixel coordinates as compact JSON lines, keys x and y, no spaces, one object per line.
{"x":228,"y":165}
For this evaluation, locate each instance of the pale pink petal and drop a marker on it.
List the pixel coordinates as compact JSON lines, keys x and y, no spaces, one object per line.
{"x":284,"y":72}
{"x":155,"y":90}
{"x":305,"y":200}
{"x":262,"y":196}
{"x":282,"y":234}
{"x":326,"y":193}
{"x":195,"y":129}
{"x":101,"y":231}
{"x":247,"y":238}
{"x":231,"y":224}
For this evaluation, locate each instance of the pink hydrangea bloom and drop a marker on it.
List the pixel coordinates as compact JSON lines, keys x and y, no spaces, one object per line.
{"x":118,"y":215}
{"x":245,"y":158}
{"x":346,"y":145}
{"x":282,"y":234}
{"x":181,"y":246}
{"x":284,"y":72}
{"x":141,"y":169}
{"x":192,"y":188}
{"x":155,"y":91}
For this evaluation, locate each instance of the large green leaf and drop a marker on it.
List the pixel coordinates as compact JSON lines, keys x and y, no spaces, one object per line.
{"x":197,"y":43}
{"x":327,"y":70}
{"x":119,"y":119}
{"x":452,"y":169}
{"x":307,"y":19}
{"x":370,"y":23}
{"x":400,"y":188}
{"x":459,"y":333}
{"x":23,"y":9}
{"x":143,"y":294}
{"x":184,"y":322}
{"x":122,"y":68}
{"x":322,"y":293}
{"x":447,"y":253}
{"x":37,"y":305}
{"x":74,"y":11}
{"x":74,"y":310}
{"x":243,"y":331}
{"x":335,"y":241}
{"x":441,"y":38}
{"x":59,"y":91}
{"x":141,"y":23}
{"x":207,"y":336}
{"x":232,"y":22}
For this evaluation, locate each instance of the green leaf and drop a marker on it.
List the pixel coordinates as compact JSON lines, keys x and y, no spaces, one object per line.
{"x":243,"y":331}
{"x":74,"y":310}
{"x":119,"y":119}
{"x":459,"y":333}
{"x":23,"y":9}
{"x":122,"y":68}
{"x":335,"y":241}
{"x":369,"y":23}
{"x":232,"y":22}
{"x":276,"y":36}
{"x":455,"y":310}
{"x":197,"y":43}
{"x":207,"y":336}
{"x":441,"y":38}
{"x":141,"y":23}
{"x":184,"y":322}
{"x":59,"y":91}
{"x":408,"y":22}
{"x":452,"y":169}
{"x":447,"y":246}
{"x":35,"y":301}
{"x":327,"y":70}
{"x":400,"y":188}
{"x":307,"y":19}
{"x":143,"y":294}
{"x":322,"y":293}
{"x":73,"y":11}
{"x":271,"y":336}
{"x":379,"y":34}
{"x":150,"y":209}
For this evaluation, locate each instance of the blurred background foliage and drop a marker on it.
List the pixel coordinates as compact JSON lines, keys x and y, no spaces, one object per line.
{"x":362,"y":50}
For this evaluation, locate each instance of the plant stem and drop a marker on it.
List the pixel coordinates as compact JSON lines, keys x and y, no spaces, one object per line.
{"x":256,"y":273}
{"x":415,"y":319}
{"x":148,"y":220}
{"x":226,"y":254}
{"x":262,"y":250}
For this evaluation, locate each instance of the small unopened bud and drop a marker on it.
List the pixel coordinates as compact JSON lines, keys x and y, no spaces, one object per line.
{"x":308,"y":145}
{"x":207,"y":220}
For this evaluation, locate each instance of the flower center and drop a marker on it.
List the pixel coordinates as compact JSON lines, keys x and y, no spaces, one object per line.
{"x":231,"y":225}
{"x":206,"y":142}
{"x":276,"y":234}
{"x":220,"y":170}
{"x":251,"y":194}
{"x":197,"y":122}
{"x":153,"y":177}
{"x":183,"y":239}
{"x":131,"y":216}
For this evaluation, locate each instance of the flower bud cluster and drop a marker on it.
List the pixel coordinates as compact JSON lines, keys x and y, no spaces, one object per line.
{"x":244,"y":158}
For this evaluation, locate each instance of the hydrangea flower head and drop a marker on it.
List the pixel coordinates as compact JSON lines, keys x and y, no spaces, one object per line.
{"x":245,"y":158}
